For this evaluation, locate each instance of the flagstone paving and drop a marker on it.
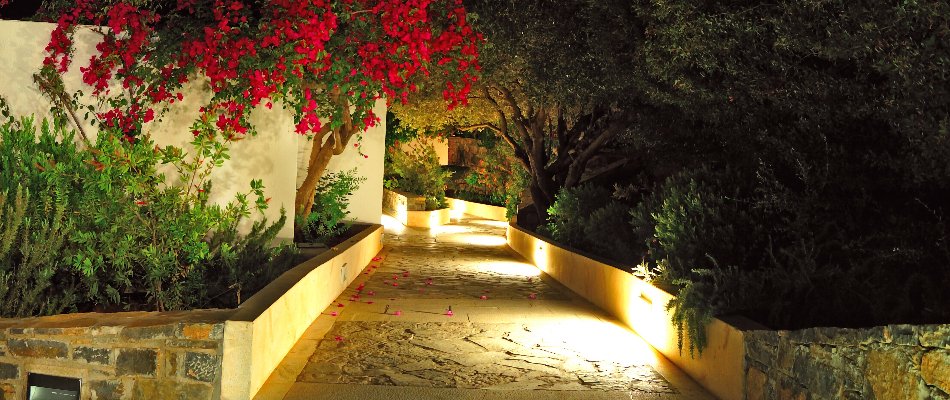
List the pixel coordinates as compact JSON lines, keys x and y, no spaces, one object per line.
{"x":454,"y":313}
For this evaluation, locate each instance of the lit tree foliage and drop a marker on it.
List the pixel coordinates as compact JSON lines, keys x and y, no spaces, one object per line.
{"x":555,"y":86}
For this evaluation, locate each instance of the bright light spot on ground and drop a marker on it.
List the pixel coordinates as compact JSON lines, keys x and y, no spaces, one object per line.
{"x":484,"y":240}
{"x":393,"y":225}
{"x":595,"y":339}
{"x":511,"y":268}
{"x":448,"y":229}
{"x":488,"y":222}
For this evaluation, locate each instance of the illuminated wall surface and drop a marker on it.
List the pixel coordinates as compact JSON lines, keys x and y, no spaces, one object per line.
{"x":642,"y":307}
{"x":265,"y":156}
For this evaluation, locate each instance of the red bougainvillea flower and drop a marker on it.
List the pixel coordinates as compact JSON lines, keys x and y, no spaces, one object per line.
{"x":338,"y":338}
{"x":327,"y":61}
{"x":532,"y":296}
{"x":377,"y":258}
{"x":333,"y":313}
{"x":484,"y":297}
{"x":397,"y":313}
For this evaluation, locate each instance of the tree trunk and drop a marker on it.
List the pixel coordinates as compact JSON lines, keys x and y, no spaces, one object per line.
{"x":320,"y":155}
{"x":541,"y":202}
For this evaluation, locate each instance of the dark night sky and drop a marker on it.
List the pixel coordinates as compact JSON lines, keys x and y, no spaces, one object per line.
{"x":19,"y":9}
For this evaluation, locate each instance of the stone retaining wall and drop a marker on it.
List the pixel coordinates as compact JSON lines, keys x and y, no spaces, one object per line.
{"x":133,"y":355}
{"x":887,"y":362}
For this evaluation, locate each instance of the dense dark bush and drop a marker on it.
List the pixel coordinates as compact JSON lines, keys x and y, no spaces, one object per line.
{"x":588,"y":218}
{"x":810,"y":140}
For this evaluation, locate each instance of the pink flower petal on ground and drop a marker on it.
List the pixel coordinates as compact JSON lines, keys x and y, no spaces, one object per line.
{"x":369,"y":302}
{"x":339,"y":304}
{"x":338,"y":338}
{"x":484,"y":297}
{"x":370,"y":293}
{"x":397,"y":313}
{"x":532,"y":296}
{"x":333,"y":313}
{"x":395,"y":283}
{"x":377,"y":258}
{"x":405,"y":274}
{"x":449,"y":313}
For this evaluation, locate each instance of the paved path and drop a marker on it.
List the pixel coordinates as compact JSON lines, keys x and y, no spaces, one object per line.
{"x":453,"y":313}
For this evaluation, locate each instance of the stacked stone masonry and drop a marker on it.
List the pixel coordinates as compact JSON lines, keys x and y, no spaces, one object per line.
{"x":177,"y":360}
{"x":887,"y":362}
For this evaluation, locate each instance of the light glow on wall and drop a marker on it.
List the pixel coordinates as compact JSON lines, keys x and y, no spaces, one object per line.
{"x":541,"y":255}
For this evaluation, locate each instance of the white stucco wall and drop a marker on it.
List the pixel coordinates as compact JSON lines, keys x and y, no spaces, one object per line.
{"x":266,"y":156}
{"x":366,"y":204}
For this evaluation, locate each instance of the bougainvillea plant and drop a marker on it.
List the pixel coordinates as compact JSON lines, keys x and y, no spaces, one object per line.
{"x":326,"y":61}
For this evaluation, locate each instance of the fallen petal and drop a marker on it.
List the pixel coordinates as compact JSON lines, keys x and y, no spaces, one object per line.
{"x":397,"y":313}
{"x":484,"y":297}
{"x":333,"y":313}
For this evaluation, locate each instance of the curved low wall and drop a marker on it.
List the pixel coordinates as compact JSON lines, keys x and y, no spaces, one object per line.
{"x":460,"y":207}
{"x":641,"y":306}
{"x":265,"y":327}
{"x":406,"y":209}
{"x":198,"y":354}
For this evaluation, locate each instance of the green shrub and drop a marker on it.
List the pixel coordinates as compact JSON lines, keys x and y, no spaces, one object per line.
{"x":586,"y":217}
{"x":111,"y":227}
{"x":418,"y":172}
{"x":497,"y":179}
{"x":567,"y":220}
{"x":329,"y":207}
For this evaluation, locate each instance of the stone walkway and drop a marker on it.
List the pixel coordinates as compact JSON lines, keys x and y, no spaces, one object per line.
{"x":453,"y":313}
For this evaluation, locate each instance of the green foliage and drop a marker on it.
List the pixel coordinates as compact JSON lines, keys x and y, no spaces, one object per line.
{"x":101,"y":227}
{"x":34,"y":223}
{"x":588,"y":218}
{"x":329,"y":207}
{"x":397,"y":132}
{"x":497,"y":179}
{"x":418,"y":172}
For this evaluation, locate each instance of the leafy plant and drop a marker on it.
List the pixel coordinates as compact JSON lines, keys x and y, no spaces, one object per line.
{"x":588,"y":218}
{"x":418,"y":171}
{"x":329,"y":207}
{"x":34,"y":225}
{"x":497,"y":177}
{"x":100,"y":227}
